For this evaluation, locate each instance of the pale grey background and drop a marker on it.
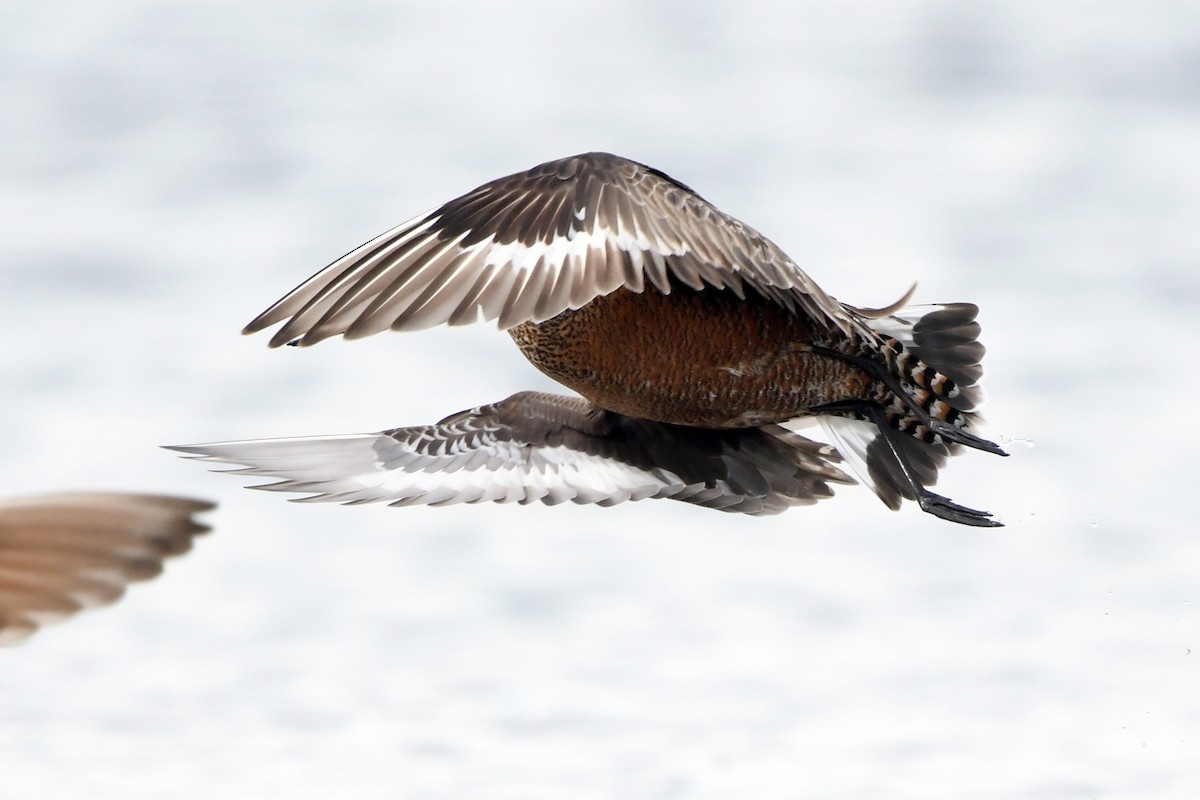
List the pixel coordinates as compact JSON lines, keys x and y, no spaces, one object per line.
{"x":168,"y":170}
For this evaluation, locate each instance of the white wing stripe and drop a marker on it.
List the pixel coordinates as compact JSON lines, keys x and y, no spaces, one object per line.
{"x":584,"y":238}
{"x":347,"y":470}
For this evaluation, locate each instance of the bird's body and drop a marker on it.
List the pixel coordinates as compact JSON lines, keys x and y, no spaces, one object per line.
{"x":704,"y":358}
{"x":690,"y":336}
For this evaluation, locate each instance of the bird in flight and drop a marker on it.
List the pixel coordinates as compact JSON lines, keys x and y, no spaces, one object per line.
{"x":62,"y":553}
{"x":696,"y":346}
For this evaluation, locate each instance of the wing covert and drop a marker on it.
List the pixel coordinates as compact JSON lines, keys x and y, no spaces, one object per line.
{"x":546,"y":448}
{"x":529,"y":246}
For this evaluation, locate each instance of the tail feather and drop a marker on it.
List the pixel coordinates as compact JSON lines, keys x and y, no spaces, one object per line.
{"x":945,"y":339}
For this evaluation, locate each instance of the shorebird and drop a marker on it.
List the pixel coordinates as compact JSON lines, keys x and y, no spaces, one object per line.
{"x":62,"y":553}
{"x":694,"y":342}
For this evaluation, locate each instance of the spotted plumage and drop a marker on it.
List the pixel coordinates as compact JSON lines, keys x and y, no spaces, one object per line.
{"x":670,"y":318}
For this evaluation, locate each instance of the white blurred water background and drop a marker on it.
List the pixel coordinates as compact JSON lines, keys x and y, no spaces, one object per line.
{"x":169,"y":169}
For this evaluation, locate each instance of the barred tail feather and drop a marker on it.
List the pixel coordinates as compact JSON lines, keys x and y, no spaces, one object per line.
{"x":945,"y":338}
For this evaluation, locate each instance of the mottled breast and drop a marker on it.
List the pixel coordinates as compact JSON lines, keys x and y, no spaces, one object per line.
{"x":705,"y":358}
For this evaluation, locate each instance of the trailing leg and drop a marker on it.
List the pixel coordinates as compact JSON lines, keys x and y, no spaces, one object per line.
{"x":896,"y":464}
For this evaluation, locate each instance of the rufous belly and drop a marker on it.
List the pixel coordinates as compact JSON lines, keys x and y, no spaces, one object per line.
{"x":708,"y":359}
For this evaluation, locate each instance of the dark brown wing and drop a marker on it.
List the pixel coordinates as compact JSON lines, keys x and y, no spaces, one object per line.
{"x":532,"y":245}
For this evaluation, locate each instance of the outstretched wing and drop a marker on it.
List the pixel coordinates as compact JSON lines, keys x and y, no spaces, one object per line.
{"x":532,"y":245}
{"x":547,"y":448}
{"x":62,"y":553}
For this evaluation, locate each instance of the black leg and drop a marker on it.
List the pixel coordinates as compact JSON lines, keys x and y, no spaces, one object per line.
{"x":930,"y":502}
{"x":953,"y":433}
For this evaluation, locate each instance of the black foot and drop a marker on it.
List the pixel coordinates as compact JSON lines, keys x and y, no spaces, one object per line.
{"x":947,"y":509}
{"x":952,"y":433}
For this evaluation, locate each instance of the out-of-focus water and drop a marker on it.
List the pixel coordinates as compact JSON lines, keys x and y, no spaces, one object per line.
{"x":171,"y":169}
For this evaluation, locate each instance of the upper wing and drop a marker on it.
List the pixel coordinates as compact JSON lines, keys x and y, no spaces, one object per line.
{"x":548,"y":448}
{"x":532,"y":245}
{"x":62,"y":553}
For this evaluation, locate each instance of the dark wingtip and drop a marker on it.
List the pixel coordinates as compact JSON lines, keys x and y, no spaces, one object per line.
{"x":259,"y":323}
{"x":262,"y":322}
